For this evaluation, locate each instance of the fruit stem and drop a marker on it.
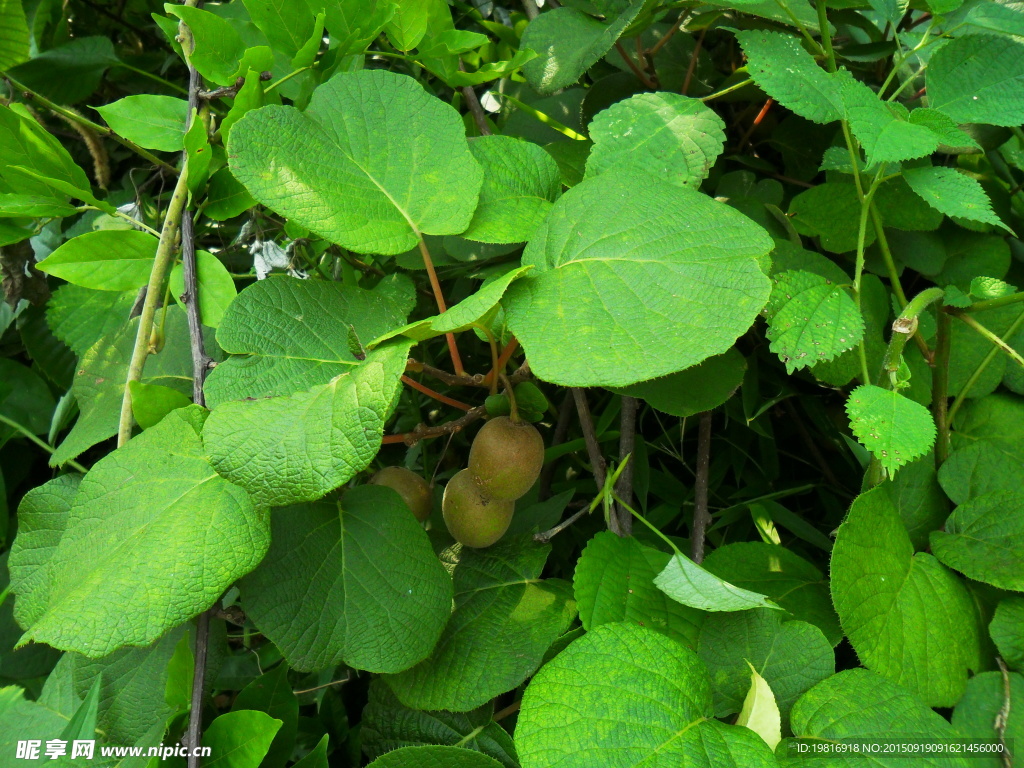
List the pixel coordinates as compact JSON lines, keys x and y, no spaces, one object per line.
{"x":513,"y":413}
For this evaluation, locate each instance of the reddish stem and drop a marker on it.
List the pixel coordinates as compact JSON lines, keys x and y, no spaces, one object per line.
{"x":436,"y":395}
{"x":441,"y":306}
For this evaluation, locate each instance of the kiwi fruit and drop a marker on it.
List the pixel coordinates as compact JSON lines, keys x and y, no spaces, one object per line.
{"x":473,"y":519}
{"x":414,"y":490}
{"x":506,"y":458}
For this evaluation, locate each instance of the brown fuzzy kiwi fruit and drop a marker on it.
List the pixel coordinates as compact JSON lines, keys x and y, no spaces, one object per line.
{"x":506,"y":458}
{"x":473,"y":519}
{"x":414,"y":490}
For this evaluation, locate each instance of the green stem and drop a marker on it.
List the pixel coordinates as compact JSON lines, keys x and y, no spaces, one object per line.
{"x":286,"y":78}
{"x":940,"y":387}
{"x":120,"y":215}
{"x":865,"y":208}
{"x":730,"y":89}
{"x":542,"y":117}
{"x":155,"y":78}
{"x":102,"y":130}
{"x":1002,"y":301}
{"x":999,"y":344}
{"x":45,"y":446}
{"x":826,"y":36}
{"x":650,"y":525}
{"x":800,"y":26}
{"x":158,"y":274}
{"x":905,"y":326}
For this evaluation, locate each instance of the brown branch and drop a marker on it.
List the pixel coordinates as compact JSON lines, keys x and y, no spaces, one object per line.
{"x":557,"y":438}
{"x":422,"y":431}
{"x":1003,"y":716}
{"x":693,"y":61}
{"x":701,"y":517}
{"x":475,"y":109}
{"x":633,"y":67}
{"x":624,"y":486}
{"x":511,"y":709}
{"x":465,"y":380}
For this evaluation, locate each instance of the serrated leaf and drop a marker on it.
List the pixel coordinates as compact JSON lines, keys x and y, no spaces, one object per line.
{"x":434,"y":757}
{"x":893,"y":427}
{"x":286,"y":450}
{"x":597,"y":265}
{"x":810,"y":320}
{"x":883,"y":128}
{"x":979,"y":79}
{"x":646,"y":678}
{"x":153,"y":122}
{"x":387,"y":725}
{"x":785,"y":71}
{"x":82,"y":316}
{"x":792,"y":656}
{"x":370,"y":192}
{"x":795,"y":584}
{"x":760,"y":713}
{"x":568,"y":42}
{"x":952,"y":193}
{"x":855,"y":705}
{"x":984,"y":539}
{"x":614,"y":582}
{"x":286,"y":335}
{"x":700,"y":388}
{"x":360,"y":569}
{"x":521,"y":181}
{"x":687,"y":583}
{"x":185,"y":534}
{"x":505,"y":618}
{"x":106,"y":260}
{"x":664,"y":135}
{"x":908,"y":617}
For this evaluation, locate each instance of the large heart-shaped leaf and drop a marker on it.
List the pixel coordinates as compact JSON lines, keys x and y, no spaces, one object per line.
{"x":361,"y":570}
{"x":646,"y":277}
{"x":372,"y":191}
{"x":184,"y":533}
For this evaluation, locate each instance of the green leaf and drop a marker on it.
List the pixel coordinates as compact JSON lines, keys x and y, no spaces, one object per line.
{"x":918,"y":497}
{"x":652,"y":707}
{"x":317,"y":758}
{"x":285,"y":450}
{"x":479,"y":307}
{"x":24,"y":398}
{"x":361,"y":569}
{"x":20,"y":717}
{"x":197,"y":147}
{"x":568,"y":42}
{"x":106,"y":260}
{"x":688,"y":293}
{"x":792,"y":656}
{"x":166,"y":544}
{"x":434,"y":757}
{"x":893,"y":427}
{"x":810,"y":320}
{"x":789,"y":580}
{"x":614,"y":582}
{"x":286,"y":335}
{"x":408,"y":24}
{"x":997,"y":418}
{"x":26,"y":144}
{"x":952,"y":193}
{"x":687,"y":583}
{"x":218,"y":47}
{"x":909,"y":618}
{"x":153,"y":122}
{"x":984,"y":539}
{"x":14,"y":36}
{"x":70,"y":72}
{"x":786,"y":72}
{"x":357,"y":23}
{"x":883,"y":128}
{"x":99,"y":382}
{"x":239,"y":739}
{"x":226,"y":197}
{"x":151,"y":402}
{"x":856,"y":705}
{"x":272,"y":693}
{"x":370,"y":192}
{"x":700,"y":388}
{"x":662,"y":135}
{"x":505,"y":618}
{"x":979,"y":79}
{"x":760,"y":713}
{"x":35,"y":206}
{"x":387,"y":725}
{"x":521,"y":181}
{"x":82,"y":316}
{"x":214,"y":286}
{"x":980,"y":468}
{"x":830,"y":211}
{"x":984,"y":706}
{"x":1007,"y":631}
{"x":288,"y":24}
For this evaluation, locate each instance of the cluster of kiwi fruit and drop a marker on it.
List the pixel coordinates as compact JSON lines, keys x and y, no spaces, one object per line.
{"x":505,"y":460}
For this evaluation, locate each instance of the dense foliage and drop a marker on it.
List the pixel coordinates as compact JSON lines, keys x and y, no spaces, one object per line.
{"x":732,"y":284}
